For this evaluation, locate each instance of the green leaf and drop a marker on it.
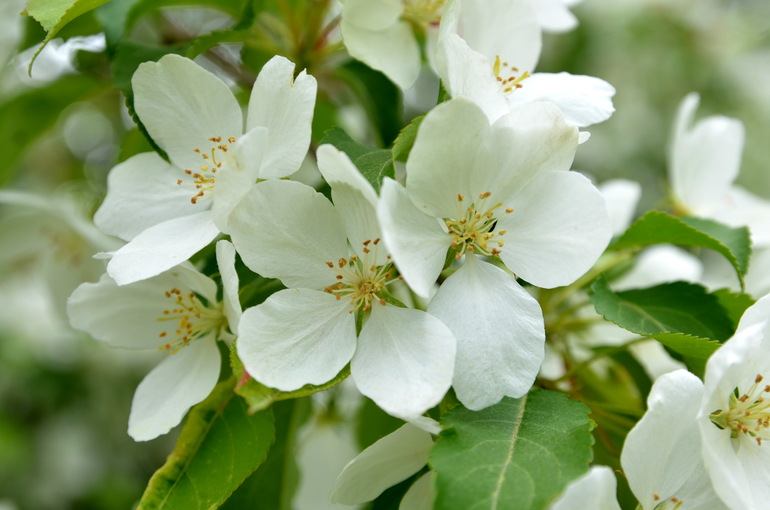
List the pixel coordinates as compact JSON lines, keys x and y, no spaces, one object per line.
{"x":25,"y":117}
{"x":518,"y":454}
{"x":374,"y":164}
{"x":54,"y":14}
{"x":657,"y":227}
{"x":372,"y":424}
{"x":734,"y":303}
{"x":220,"y":445}
{"x":680,"y":315}
{"x":205,"y":42}
{"x":405,"y":140}
{"x":259,"y":397}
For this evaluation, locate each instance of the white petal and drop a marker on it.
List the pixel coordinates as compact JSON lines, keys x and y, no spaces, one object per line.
{"x":125,"y":316}
{"x":499,"y":331}
{"x":697,"y":493}
{"x":162,"y":247}
{"x":286,"y":230}
{"x":660,"y":264}
{"x":182,"y":105}
{"x":663,"y":449}
{"x":231,"y":303}
{"x":142,"y":192}
{"x":739,"y":208}
{"x":467,"y":73}
{"x":377,"y":15}
{"x":507,"y":28}
{"x":758,"y":277}
{"x":705,"y":159}
{"x":235,"y":179}
{"x":284,"y":105}
{"x":391,"y":460}
{"x":654,"y":358}
{"x":584,"y":100}
{"x":394,"y":50}
{"x":583,"y":137}
{"x":554,"y":16}
{"x":427,"y":424}
{"x":621,"y":196}
{"x":354,"y":198}
{"x":557,"y":231}
{"x":447,"y":154}
{"x":404,"y":361}
{"x":178,"y":383}
{"x":416,"y":241}
{"x":421,"y":494}
{"x":756,"y":314}
{"x":296,"y":337}
{"x":596,"y":490}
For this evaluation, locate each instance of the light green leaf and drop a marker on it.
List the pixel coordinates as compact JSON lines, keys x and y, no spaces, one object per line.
{"x":205,"y":42}
{"x":518,"y":454}
{"x":374,"y":164}
{"x":259,"y":397}
{"x":680,"y":315}
{"x":405,"y":139}
{"x":54,"y":14}
{"x":220,"y":445}
{"x":657,"y":227}
{"x":26,"y":116}
{"x":734,"y":303}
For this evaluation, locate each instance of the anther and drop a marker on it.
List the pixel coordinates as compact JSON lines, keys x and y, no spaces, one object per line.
{"x":377,"y":241}
{"x":366,"y":243}
{"x":367,"y":250}
{"x":188,"y":172}
{"x":460,"y":197}
{"x":486,"y":194}
{"x":382,"y":302}
{"x":330,"y":264}
{"x":179,"y":182}
{"x":758,"y":379}
{"x":343,"y":262}
{"x":197,"y":150}
{"x":231,"y":139}
{"x":339,"y":277}
{"x":509,"y":210}
{"x":162,"y":334}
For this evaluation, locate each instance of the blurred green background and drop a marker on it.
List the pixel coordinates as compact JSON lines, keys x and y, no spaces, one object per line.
{"x":65,"y":399}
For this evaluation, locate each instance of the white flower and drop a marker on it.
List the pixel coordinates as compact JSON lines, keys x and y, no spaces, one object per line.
{"x":469,"y":186}
{"x":661,"y":455}
{"x":492,"y":63}
{"x":176,"y":311}
{"x":554,"y":15}
{"x":170,"y":211}
{"x":403,"y":358}
{"x":596,"y":490}
{"x":380,"y":33}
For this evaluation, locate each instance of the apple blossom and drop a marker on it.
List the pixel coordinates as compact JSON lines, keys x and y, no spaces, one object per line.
{"x":403,"y":359}
{"x":469,"y":184}
{"x":593,"y":491}
{"x":169,"y":211}
{"x":555,"y":16}
{"x":176,"y":311}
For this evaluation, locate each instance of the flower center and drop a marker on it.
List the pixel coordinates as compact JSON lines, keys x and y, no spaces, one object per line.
{"x":203,"y":179}
{"x":506,"y":77}
{"x":190,"y":320}
{"x":474,"y":231}
{"x":423,"y":12}
{"x":66,"y":245}
{"x":669,"y":504}
{"x":748,"y":414}
{"x":362,"y":280}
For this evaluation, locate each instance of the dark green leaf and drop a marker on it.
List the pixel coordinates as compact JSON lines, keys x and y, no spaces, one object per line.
{"x":518,"y":454}
{"x":25,"y":117}
{"x":373,"y":424}
{"x":405,"y":140}
{"x":259,"y":397}
{"x":657,"y":227}
{"x":374,"y":164}
{"x":734,"y":303}
{"x":680,"y":315}
{"x":220,"y":445}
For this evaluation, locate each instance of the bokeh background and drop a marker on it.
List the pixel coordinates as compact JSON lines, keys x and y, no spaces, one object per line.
{"x":65,"y":399}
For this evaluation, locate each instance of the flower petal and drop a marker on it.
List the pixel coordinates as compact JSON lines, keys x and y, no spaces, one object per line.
{"x":391,"y":460}
{"x":231,"y":303}
{"x":621,"y":196}
{"x":404,"y":361}
{"x":372,"y":15}
{"x":234,"y":180}
{"x":447,"y":155}
{"x":584,"y":100}
{"x":142,"y":192}
{"x":284,"y":105}
{"x":467,"y":73}
{"x":554,"y":16}
{"x":662,"y":450}
{"x":296,"y":337}
{"x":739,"y":208}
{"x":659,"y":264}
{"x":286,"y":230}
{"x":558,"y":229}
{"x":178,"y":383}
{"x":394,"y":50}
{"x":421,"y":495}
{"x":162,"y":247}
{"x":499,"y":331}
{"x":182,"y":105}
{"x":416,"y":241}
{"x":596,"y":490}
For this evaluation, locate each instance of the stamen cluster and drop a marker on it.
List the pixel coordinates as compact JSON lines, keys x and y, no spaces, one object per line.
{"x":204,"y":179}
{"x":510,"y":82}
{"x":748,"y":414}
{"x":362,"y":280}
{"x":193,"y":320}
{"x":474,"y":230}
